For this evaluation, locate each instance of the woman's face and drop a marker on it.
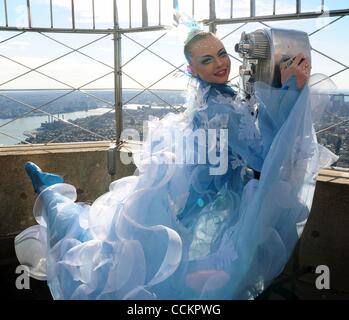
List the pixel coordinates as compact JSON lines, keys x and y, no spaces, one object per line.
{"x":209,"y":60}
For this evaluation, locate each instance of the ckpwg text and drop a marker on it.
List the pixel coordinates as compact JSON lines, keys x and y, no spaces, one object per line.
{"x":196,"y":309}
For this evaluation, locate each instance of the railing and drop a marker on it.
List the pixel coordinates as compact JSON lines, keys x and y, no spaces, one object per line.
{"x":123,"y":22}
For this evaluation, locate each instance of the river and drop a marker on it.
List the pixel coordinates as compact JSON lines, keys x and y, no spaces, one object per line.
{"x":18,"y":127}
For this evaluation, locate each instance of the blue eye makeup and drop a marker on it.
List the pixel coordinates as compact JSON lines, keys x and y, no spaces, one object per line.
{"x":206,"y":60}
{"x":222,"y":53}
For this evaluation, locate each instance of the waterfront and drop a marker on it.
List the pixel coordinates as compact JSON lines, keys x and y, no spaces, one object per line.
{"x":20,"y":126}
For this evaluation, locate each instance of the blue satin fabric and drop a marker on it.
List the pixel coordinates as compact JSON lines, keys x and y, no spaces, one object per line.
{"x":177,"y":229}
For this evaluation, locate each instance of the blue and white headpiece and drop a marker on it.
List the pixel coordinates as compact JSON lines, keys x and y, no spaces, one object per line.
{"x":186,"y":27}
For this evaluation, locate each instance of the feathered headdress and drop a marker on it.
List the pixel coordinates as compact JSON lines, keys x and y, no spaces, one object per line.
{"x":187,"y":28}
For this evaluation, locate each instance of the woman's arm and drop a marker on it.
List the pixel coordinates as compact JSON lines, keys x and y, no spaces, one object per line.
{"x":277,"y":103}
{"x":293,"y":79}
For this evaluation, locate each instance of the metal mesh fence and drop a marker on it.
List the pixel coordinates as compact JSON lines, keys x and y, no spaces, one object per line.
{"x":81,"y":70}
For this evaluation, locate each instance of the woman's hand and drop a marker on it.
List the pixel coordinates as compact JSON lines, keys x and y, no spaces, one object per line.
{"x":300,"y":67}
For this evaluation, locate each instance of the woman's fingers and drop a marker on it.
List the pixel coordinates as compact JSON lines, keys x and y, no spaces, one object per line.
{"x":300,"y":67}
{"x":305,"y":66}
{"x":297,"y":60}
{"x":302,"y":73}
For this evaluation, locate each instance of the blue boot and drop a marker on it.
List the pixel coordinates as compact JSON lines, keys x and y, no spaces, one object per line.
{"x":41,"y":180}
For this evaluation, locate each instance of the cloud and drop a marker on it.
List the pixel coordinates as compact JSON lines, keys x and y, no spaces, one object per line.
{"x":82,"y":8}
{"x":15,"y":45}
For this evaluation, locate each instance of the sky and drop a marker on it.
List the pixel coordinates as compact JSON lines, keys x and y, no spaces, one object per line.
{"x":76,"y":70}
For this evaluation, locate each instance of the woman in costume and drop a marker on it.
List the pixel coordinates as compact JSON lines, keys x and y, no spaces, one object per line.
{"x":193,"y":222}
